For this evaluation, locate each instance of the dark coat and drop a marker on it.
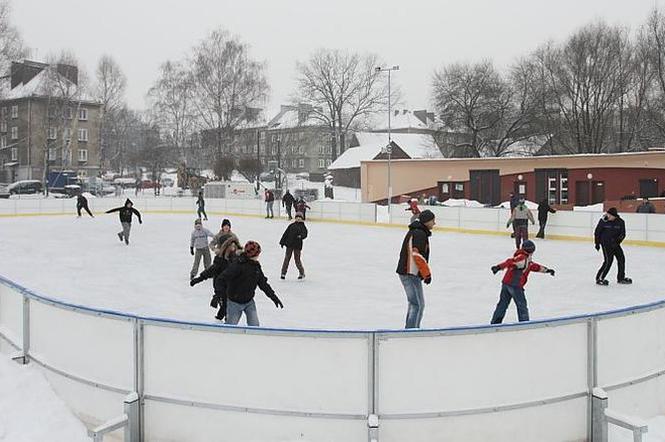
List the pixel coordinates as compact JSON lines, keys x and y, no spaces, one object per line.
{"x":301,"y":206}
{"x":241,"y":278}
{"x":543,"y":210}
{"x":288,"y":199}
{"x":126,"y":212}
{"x":81,"y":201}
{"x":219,"y":264}
{"x":646,"y":207}
{"x":610,"y":233}
{"x":293,"y":235}
{"x":269,"y":196}
{"x":414,"y":254}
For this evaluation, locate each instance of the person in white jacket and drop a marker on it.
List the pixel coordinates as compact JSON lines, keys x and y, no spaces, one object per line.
{"x":198,"y":247}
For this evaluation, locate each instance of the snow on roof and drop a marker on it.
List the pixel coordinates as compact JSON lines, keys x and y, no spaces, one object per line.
{"x":38,"y":86}
{"x":294,"y":116}
{"x":401,"y":119}
{"x":370,"y":145}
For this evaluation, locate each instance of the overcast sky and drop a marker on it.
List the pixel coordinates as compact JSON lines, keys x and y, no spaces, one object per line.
{"x":419,"y":36}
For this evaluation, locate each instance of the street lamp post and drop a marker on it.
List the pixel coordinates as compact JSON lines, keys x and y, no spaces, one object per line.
{"x":389,"y":146}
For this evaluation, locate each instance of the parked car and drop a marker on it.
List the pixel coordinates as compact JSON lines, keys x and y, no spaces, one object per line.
{"x":167,"y":182}
{"x":149,"y":184}
{"x":302,"y":176}
{"x":25,"y":187}
{"x":267,"y":176}
{"x":4,"y":190}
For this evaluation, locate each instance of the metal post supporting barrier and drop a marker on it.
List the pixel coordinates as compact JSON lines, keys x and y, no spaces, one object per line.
{"x":26,"y":329}
{"x":598,"y":420}
{"x":132,"y":407}
{"x":373,"y":428}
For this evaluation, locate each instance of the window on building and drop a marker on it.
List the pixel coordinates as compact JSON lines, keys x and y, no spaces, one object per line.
{"x":14,"y":153}
{"x":322,"y":163}
{"x":274,"y":151}
{"x":294,"y":163}
{"x":3,"y":113}
{"x":328,"y":162}
{"x":51,"y":154}
{"x":15,"y":111}
{"x":301,"y":163}
{"x":67,"y":134}
{"x":3,"y":141}
{"x":52,"y":133}
{"x":51,"y":112}
{"x":273,"y":138}
{"x":83,"y":173}
{"x":301,"y":150}
{"x":83,"y":114}
{"x":67,"y":113}
{"x":83,"y":134}
{"x":14,"y":133}
{"x":83,"y":155}
{"x":459,"y":187}
{"x":3,"y":126}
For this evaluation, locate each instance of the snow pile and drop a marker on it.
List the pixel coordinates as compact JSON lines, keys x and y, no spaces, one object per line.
{"x":88,"y":195}
{"x":530,"y":204}
{"x":30,"y":411}
{"x":452,"y":202}
{"x":593,"y":208}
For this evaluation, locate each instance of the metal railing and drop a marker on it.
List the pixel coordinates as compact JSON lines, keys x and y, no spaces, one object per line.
{"x":129,"y":421}
{"x":603,"y":416}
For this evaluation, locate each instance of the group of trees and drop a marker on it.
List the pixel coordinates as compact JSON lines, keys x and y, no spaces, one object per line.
{"x":600,"y":90}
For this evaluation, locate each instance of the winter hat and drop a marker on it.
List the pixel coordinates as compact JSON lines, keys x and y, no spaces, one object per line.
{"x":613,"y":211}
{"x":226,"y":222}
{"x":197,"y":221}
{"x":128,"y":202}
{"x":252,"y":249}
{"x":299,"y":215}
{"x":528,"y":246}
{"x":426,"y":215}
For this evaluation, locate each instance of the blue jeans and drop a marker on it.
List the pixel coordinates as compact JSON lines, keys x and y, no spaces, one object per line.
{"x":509,"y":292}
{"x":269,"y":212}
{"x":413,"y":287}
{"x":234,"y":312}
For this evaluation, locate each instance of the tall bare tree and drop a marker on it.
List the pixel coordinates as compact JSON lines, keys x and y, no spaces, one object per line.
{"x":110,"y":92}
{"x":343,"y":89}
{"x":12,"y":47}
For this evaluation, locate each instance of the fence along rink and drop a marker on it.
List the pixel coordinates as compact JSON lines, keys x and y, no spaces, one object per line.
{"x":263,"y":384}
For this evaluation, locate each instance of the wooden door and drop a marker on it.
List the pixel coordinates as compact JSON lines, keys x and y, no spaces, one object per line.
{"x":581,"y":193}
{"x":598,"y":192}
{"x":648,"y":188}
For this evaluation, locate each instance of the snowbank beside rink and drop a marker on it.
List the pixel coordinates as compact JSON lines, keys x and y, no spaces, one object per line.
{"x":529,"y":381}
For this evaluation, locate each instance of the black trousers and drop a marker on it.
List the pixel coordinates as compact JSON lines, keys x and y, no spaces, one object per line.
{"x":541,"y":231}
{"x":79,"y":207}
{"x":609,"y":253}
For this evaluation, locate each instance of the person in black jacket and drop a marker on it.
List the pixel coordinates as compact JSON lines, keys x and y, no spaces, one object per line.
{"x":292,"y":240}
{"x":544,"y":209}
{"x":126,"y":213}
{"x":413,"y":268}
{"x":239,"y":282}
{"x":287,"y":202}
{"x":609,"y":233}
{"x":82,"y":203}
{"x":225,"y":254}
{"x":201,"y":204}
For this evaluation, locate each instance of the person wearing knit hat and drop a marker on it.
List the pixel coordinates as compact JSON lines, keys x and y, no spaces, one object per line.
{"x":240,"y":280}
{"x":292,"y":239}
{"x":413,"y":267}
{"x":223,"y":234}
{"x":198,"y":247}
{"x":608,"y":236}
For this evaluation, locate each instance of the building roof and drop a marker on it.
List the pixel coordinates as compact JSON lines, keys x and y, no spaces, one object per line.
{"x":404,"y":119}
{"x":38,"y":86}
{"x":370,"y":145}
{"x":294,"y":116}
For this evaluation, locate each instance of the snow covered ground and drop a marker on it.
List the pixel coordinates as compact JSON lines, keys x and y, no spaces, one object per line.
{"x":30,"y":411}
{"x":351,"y":281}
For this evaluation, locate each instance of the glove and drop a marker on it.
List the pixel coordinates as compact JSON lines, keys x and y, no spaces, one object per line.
{"x":550,"y":271}
{"x":508,"y":224}
{"x":277,"y":302}
{"x":597,"y":246}
{"x":191,"y":250}
{"x":214,"y":302}
{"x":495,"y":269}
{"x":195,"y":281}
{"x":428,"y":279}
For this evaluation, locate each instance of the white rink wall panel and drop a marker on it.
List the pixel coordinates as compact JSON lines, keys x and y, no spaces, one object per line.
{"x":276,"y":372}
{"x":636,"y":225}
{"x":656,"y":230}
{"x":641,"y":399}
{"x":169,"y":423}
{"x":422,"y":374}
{"x":563,"y":421}
{"x":631,"y":347}
{"x":92,"y":347}
{"x":11,"y":315}
{"x":581,"y":224}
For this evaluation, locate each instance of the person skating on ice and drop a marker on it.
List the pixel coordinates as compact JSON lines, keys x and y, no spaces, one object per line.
{"x":82,"y":203}
{"x":287,"y":202}
{"x":201,"y":204}
{"x":544,"y":209}
{"x":198,"y":247}
{"x":517,"y":269}
{"x":301,"y":206}
{"x":225,"y":254}
{"x":414,"y":209}
{"x":292,"y":239}
{"x":608,"y":236}
{"x":413,"y":268}
{"x":519,"y":218}
{"x":240,"y":280}
{"x":223,"y":234}
{"x":269,"y":198}
{"x":125,"y":214}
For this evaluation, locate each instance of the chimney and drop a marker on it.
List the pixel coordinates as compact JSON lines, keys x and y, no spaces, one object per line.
{"x":22,"y":73}
{"x":421,"y":115}
{"x":405,"y":111}
{"x":396,"y":112}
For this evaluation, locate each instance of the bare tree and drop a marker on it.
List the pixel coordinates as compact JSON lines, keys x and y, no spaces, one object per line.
{"x":12,"y":47}
{"x":110,"y":92}
{"x":343,"y":89}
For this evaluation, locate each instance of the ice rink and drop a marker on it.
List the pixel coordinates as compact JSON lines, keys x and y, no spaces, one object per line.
{"x":351,"y":281}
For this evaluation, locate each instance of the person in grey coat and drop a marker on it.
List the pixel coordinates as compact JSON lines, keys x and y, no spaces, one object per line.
{"x":199,"y":242}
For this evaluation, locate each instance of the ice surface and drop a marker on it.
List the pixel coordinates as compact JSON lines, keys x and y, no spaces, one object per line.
{"x":351,"y":281}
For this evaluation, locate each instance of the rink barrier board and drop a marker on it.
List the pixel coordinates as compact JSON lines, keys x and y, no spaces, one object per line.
{"x":378,"y":335}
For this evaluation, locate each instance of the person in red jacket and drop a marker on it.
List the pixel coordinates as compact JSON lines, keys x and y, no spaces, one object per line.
{"x":517,"y":269}
{"x":413,"y":207}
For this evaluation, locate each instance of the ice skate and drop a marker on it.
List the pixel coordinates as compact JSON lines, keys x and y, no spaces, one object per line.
{"x":625,"y":281}
{"x":602,"y":282}
{"x":301,"y":276}
{"x":282,"y":277}
{"x":120,"y":237}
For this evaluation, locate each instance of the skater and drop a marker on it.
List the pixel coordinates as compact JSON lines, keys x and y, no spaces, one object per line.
{"x":292,"y":239}
{"x":224,"y":255}
{"x":519,"y":218}
{"x":544,"y":209}
{"x":82,"y":203}
{"x":301,"y":206}
{"x":200,"y":202}
{"x":512,"y":287}
{"x":413,"y":207}
{"x":199,"y":242}
{"x":287,"y":202}
{"x":513,"y":200}
{"x":125,"y":213}
{"x":646,"y":207}
{"x":610,"y":233}
{"x":239,"y":282}
{"x":223,"y":234}
{"x":269,"y":197}
{"x":413,"y":268}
